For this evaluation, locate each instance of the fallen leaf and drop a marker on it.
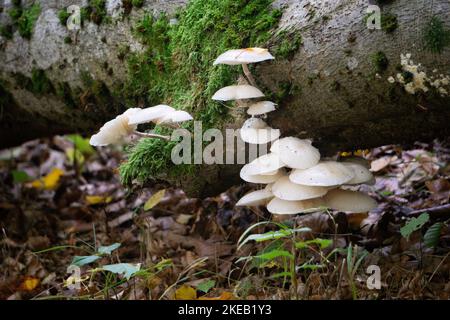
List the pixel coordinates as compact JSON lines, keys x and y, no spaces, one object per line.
{"x":154,"y":200}
{"x":185,"y":293}
{"x":50,"y":181}
{"x":93,"y":200}
{"x":29,"y":284}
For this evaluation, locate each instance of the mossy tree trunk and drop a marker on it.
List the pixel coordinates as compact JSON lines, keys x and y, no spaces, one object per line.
{"x":330,"y":77}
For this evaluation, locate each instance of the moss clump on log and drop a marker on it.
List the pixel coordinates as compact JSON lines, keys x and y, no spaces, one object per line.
{"x":177,"y":69}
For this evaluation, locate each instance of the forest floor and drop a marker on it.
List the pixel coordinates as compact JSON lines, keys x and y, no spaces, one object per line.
{"x":70,"y":230}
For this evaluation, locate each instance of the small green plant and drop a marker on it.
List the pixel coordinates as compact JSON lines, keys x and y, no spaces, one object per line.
{"x":284,"y":250}
{"x":354,"y":260}
{"x":137,"y":3}
{"x":97,"y":9}
{"x":380,"y":61}
{"x":389,"y":22}
{"x":436,"y":36}
{"x":63,"y":16}
{"x":25,"y":19}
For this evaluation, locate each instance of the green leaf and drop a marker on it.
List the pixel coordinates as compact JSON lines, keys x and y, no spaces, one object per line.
{"x":414,"y":224}
{"x":275,"y":254}
{"x":75,"y":155}
{"x":281,"y":275}
{"x":322,"y":243}
{"x":108,"y":249}
{"x":19,"y":176}
{"x":433,"y":234}
{"x":154,"y":200}
{"x":272,"y":235}
{"x":127,"y":269}
{"x":83,"y":260}
{"x":206,"y":285}
{"x":81,"y":144}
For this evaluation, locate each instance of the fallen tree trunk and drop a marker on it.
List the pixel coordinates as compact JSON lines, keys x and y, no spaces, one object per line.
{"x":331,"y":75}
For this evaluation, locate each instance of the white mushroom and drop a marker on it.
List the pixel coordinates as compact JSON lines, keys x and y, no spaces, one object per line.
{"x":279,"y":206}
{"x":269,"y":177}
{"x":243,"y":56}
{"x":256,"y":198}
{"x":296,"y":153}
{"x":256,"y":131}
{"x":261,"y":107}
{"x":349,"y":201}
{"x":284,"y":189}
{"x":174,"y":117}
{"x":115,"y":130}
{"x":361,"y":174}
{"x":151,"y":114}
{"x":264,"y":164}
{"x":324,"y":174}
{"x":238,"y":92}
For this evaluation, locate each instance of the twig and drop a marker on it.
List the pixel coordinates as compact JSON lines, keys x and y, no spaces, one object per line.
{"x":434,"y":210}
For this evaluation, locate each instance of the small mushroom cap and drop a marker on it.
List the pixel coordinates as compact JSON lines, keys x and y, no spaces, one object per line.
{"x":264,"y":164}
{"x":284,"y":189}
{"x":261,"y":107}
{"x":175,"y":117}
{"x":279,"y":206}
{"x":357,"y":160}
{"x":349,"y":201}
{"x":255,"y":198}
{"x":269,"y":177}
{"x":238,"y":92}
{"x":296,"y":153}
{"x":362,"y":173}
{"x":324,"y":174}
{"x":151,"y":114}
{"x":256,"y":131}
{"x":114,"y":130}
{"x":243,"y":56}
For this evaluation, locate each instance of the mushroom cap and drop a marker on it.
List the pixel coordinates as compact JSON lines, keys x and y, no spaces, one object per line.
{"x":243,"y":56}
{"x":237,"y":92}
{"x":284,"y":189}
{"x":357,"y":160}
{"x":324,"y":174}
{"x":349,"y":201}
{"x":255,"y":198}
{"x":261,"y":107}
{"x":264,"y":164}
{"x":279,"y":206}
{"x":151,"y":114}
{"x":296,"y":153}
{"x":256,"y":131}
{"x":175,"y":117}
{"x":269,"y":177}
{"x":362,"y":173}
{"x":114,"y":130}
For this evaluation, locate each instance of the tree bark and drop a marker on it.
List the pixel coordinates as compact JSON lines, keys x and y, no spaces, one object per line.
{"x":333,"y":94}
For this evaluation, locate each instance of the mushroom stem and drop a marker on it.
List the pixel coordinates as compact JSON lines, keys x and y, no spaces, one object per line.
{"x":248,"y":74}
{"x":151,"y":135}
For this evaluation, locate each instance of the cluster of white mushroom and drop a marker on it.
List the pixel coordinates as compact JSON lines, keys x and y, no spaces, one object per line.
{"x":126,"y":124}
{"x":297,"y":181}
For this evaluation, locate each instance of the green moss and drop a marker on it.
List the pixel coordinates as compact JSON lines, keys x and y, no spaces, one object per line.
{"x":64,"y":91}
{"x":40,"y":83}
{"x":177,"y":69}
{"x":436,"y":36}
{"x":67,"y":40}
{"x":7,"y":31}
{"x":380,"y":61}
{"x":25,"y":19}
{"x":138,"y":3}
{"x":97,"y":11}
{"x":63,"y":16}
{"x":389,"y":22}
{"x":289,"y":44}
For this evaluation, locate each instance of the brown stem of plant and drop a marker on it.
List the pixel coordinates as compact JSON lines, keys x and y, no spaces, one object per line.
{"x":151,"y":135}
{"x":248,"y":74}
